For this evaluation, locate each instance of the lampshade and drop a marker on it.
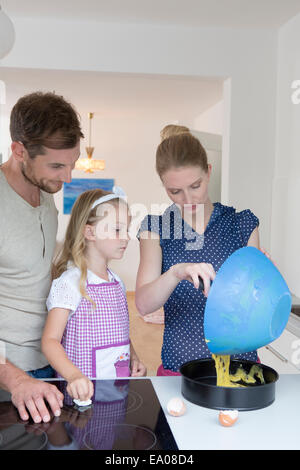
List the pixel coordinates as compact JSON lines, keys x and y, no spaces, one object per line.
{"x":7,"y":34}
{"x":88,"y":164}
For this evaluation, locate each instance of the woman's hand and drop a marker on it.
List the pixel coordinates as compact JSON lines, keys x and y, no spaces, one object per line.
{"x":137,"y":368}
{"x":192,"y":271}
{"x":80,"y":387}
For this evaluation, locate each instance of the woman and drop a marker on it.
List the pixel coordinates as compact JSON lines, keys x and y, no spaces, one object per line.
{"x":180,"y":246}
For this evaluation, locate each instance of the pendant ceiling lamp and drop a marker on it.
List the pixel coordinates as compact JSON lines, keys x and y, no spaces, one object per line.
{"x":7,"y":34}
{"x":89,"y":165}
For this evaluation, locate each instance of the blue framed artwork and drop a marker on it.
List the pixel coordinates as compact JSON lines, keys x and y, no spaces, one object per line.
{"x":79,"y":185}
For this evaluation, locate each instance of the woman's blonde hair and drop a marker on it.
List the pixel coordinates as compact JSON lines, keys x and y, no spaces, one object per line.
{"x":74,"y":245}
{"x":172,"y":129}
{"x":178,"y":151}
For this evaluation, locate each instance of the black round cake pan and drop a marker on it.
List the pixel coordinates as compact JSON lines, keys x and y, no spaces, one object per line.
{"x":199,"y":386}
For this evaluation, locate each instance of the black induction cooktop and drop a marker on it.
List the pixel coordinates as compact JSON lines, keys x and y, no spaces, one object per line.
{"x":124,"y":415}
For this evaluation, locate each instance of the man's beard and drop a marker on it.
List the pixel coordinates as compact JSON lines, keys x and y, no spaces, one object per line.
{"x":38,"y":184}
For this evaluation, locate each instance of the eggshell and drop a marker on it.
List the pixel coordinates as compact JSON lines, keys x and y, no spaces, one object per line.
{"x":227,"y":418}
{"x":176,"y":407}
{"x":82,"y":403}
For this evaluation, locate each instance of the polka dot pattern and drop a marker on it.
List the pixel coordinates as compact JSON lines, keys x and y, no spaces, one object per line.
{"x":226,"y":232}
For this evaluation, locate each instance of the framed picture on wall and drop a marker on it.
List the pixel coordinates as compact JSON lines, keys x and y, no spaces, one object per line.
{"x":79,"y":185}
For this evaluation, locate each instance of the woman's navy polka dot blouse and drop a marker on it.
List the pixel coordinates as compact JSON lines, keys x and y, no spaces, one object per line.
{"x":226,"y":232}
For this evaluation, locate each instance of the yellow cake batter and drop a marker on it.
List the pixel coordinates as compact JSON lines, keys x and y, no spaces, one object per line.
{"x":225,"y":379}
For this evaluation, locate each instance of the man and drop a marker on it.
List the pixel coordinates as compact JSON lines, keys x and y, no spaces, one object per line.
{"x":45,"y":133}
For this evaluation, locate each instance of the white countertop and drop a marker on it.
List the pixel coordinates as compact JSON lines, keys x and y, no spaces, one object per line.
{"x":275,"y":427}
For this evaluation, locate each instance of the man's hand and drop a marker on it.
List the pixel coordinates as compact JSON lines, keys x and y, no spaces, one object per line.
{"x":29,"y":396}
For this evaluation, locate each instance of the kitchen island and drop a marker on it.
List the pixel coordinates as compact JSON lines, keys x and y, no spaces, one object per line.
{"x":273,"y":428}
{"x":131,"y":414}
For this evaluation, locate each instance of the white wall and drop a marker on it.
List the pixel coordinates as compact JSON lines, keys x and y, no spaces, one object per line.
{"x":130,"y":111}
{"x":285,"y":246}
{"x":210,"y":128}
{"x":211,"y":120}
{"x":247,"y":58}
{"x":213,"y":146}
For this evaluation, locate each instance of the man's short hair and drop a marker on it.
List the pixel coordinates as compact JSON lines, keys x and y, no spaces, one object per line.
{"x":41,"y":120}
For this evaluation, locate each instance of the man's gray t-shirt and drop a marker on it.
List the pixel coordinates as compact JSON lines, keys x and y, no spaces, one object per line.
{"x":27,"y":243}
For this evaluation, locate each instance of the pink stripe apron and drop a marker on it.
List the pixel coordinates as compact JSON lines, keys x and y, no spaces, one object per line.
{"x":97,"y":340}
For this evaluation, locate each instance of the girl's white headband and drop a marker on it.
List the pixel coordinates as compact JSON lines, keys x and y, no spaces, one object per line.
{"x":117,"y":193}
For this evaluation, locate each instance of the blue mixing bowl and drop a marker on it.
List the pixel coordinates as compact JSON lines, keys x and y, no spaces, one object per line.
{"x":248,"y":305}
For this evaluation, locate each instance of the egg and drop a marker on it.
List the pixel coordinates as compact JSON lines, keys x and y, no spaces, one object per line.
{"x":228,"y":417}
{"x":82,"y":403}
{"x":176,"y":407}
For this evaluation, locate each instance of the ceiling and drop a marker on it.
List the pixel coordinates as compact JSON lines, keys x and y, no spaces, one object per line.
{"x":120,"y":95}
{"x":266,"y":14}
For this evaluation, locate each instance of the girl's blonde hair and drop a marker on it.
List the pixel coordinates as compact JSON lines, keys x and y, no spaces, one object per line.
{"x":74,"y":245}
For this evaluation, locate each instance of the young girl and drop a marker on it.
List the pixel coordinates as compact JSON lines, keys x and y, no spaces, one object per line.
{"x":87,"y":330}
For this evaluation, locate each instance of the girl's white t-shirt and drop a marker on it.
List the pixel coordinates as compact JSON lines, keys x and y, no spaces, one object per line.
{"x":65,"y":293}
